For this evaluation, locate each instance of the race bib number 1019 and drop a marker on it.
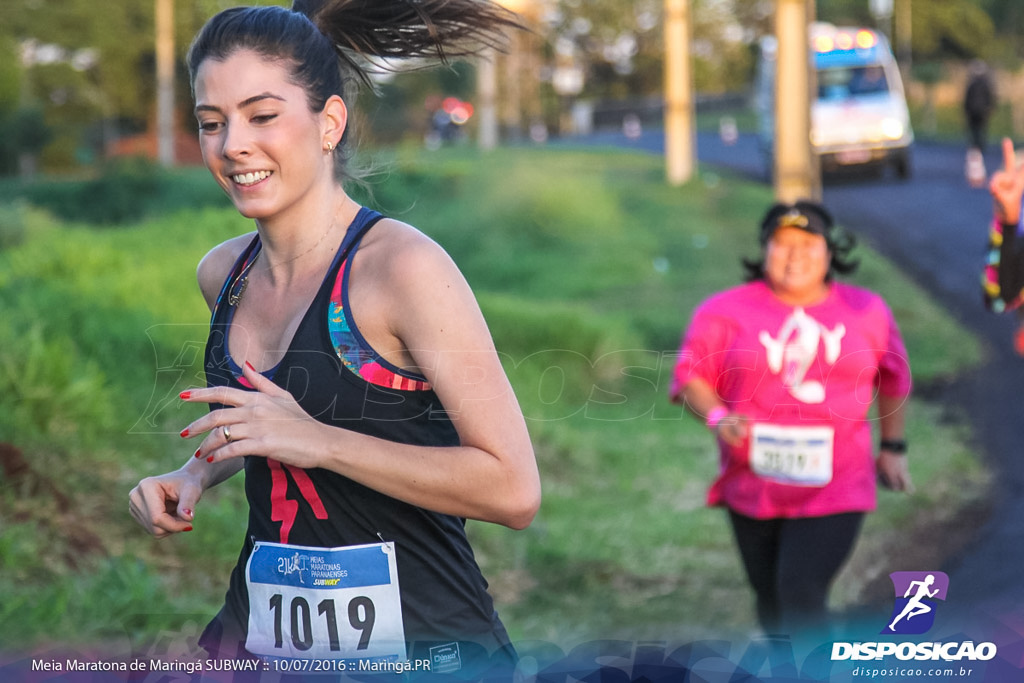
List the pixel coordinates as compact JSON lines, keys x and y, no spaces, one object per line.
{"x":325,"y":603}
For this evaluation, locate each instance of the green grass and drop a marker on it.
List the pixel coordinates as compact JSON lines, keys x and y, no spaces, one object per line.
{"x":587,"y":267}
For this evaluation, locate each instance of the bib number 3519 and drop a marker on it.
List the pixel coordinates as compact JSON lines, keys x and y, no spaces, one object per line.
{"x":799,"y":456}
{"x":324,"y":603}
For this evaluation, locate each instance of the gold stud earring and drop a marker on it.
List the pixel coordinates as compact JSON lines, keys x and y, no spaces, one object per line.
{"x":329,"y":146}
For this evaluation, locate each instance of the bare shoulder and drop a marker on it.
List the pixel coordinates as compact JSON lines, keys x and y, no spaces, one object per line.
{"x":214,"y":267}
{"x":418,"y":284}
{"x":399,"y":254}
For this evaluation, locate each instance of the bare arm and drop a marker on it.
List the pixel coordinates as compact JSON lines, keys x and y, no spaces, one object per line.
{"x":701,"y":399}
{"x":892,"y":467}
{"x":166,"y":504}
{"x":491,"y":476}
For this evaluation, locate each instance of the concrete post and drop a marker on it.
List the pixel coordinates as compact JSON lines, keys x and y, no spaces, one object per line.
{"x":487,"y":94}
{"x":679,"y":126}
{"x":165,"y":81}
{"x":797,"y":175}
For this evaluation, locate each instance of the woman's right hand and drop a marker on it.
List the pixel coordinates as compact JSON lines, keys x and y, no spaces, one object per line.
{"x":1007,"y":187}
{"x":165,"y":505}
{"x":733,"y":429}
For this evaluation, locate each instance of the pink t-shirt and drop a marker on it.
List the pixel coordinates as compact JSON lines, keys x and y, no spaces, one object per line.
{"x":805,"y":377}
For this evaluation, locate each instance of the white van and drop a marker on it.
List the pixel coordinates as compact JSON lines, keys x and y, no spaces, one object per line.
{"x":859,"y":116}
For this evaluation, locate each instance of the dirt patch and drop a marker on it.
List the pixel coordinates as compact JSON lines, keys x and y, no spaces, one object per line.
{"x":38,"y":501}
{"x":932,"y":541}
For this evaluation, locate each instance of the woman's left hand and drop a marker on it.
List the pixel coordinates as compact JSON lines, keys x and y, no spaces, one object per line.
{"x":893,"y":472}
{"x":267,"y":422}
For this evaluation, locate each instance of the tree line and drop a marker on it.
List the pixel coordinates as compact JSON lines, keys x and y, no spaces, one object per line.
{"x":74,"y":75}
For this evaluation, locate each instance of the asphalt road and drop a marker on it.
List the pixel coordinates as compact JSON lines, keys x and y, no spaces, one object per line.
{"x":934,"y":226}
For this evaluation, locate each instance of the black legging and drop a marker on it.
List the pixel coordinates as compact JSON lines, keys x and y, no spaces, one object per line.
{"x":976,"y":131}
{"x":791,"y":563}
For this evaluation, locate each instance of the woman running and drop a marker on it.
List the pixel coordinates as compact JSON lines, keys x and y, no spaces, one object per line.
{"x":783,"y":370}
{"x":349,"y":370}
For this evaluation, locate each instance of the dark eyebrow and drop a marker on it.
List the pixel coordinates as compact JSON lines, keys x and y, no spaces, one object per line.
{"x":244,"y":103}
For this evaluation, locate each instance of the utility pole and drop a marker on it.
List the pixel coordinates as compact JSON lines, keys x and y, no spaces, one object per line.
{"x":165,"y":81}
{"x":903,"y":38}
{"x":679,"y":126}
{"x":797,"y":175}
{"x":513,"y":93}
{"x":487,"y":95}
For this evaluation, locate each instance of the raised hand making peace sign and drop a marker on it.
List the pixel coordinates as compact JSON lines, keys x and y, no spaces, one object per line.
{"x":1007,"y":186}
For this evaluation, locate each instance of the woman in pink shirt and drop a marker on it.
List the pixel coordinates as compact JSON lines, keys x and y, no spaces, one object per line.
{"x":784,"y":370}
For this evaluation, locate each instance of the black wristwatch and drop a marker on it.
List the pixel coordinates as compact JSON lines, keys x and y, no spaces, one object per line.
{"x":898,"y":446}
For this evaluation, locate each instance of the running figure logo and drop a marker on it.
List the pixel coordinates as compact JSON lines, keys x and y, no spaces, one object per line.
{"x":291,"y":565}
{"x":916,"y":593}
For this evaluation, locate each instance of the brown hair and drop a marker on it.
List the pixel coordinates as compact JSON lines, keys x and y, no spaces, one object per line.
{"x":333,"y":46}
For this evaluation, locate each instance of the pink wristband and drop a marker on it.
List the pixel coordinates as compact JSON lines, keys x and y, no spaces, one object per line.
{"x":715,"y":416}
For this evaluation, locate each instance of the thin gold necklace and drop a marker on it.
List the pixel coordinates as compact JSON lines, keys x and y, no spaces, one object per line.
{"x":242,"y":281}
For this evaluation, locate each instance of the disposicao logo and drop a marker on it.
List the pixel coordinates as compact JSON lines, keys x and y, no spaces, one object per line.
{"x":916,"y":596}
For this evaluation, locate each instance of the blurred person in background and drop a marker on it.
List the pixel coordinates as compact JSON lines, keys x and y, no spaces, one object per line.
{"x":979,"y":103}
{"x":349,"y":370}
{"x":783,"y":370}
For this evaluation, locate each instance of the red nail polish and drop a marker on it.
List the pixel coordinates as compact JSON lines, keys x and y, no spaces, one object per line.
{"x":188,"y":513}
{"x":249,"y":365}
{"x":184,"y":432}
{"x":210,"y":459}
{"x":197,"y":452}
{"x":188,"y":528}
{"x":185,"y":395}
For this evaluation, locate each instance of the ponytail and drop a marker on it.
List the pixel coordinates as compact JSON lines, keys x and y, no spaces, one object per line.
{"x":363,"y":31}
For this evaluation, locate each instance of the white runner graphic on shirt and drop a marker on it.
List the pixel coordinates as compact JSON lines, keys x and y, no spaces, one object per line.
{"x":794,"y":350}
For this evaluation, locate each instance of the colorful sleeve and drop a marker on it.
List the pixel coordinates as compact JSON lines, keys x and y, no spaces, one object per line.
{"x":1002,"y":279}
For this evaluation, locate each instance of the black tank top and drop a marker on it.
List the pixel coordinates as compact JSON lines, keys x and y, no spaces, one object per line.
{"x":444,"y":595}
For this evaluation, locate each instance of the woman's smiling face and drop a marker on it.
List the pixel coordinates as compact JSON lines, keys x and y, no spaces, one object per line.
{"x":259,"y":139}
{"x":796,"y":264}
